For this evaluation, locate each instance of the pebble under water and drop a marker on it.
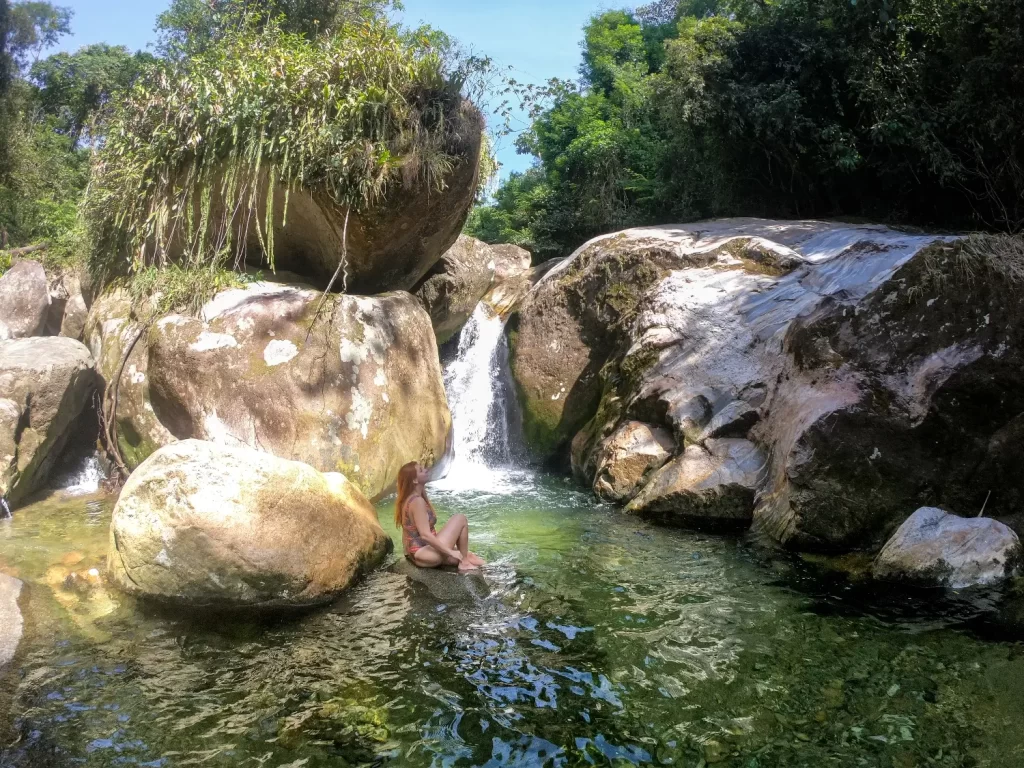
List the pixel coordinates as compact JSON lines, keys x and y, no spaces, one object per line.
{"x":591,"y":639}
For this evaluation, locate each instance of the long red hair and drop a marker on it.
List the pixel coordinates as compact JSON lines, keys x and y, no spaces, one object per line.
{"x":406,"y":485}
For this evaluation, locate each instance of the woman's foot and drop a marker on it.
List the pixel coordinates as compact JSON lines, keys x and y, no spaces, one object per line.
{"x":475,"y":559}
{"x":467,"y":565}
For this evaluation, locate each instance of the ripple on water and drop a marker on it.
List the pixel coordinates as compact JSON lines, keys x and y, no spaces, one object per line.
{"x":602,"y":641}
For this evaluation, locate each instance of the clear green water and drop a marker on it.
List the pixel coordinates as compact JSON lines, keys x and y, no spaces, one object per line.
{"x":603,"y":641}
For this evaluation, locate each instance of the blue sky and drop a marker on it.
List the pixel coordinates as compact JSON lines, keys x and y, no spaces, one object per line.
{"x":537,"y":39}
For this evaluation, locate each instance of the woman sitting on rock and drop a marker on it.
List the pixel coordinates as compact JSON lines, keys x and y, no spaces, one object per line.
{"x":414,"y":513}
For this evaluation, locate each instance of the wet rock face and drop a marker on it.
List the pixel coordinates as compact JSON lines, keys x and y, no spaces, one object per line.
{"x":625,"y":460}
{"x":356,"y":388}
{"x":455,"y":285}
{"x":871,"y":370}
{"x":46,"y":383}
{"x":207,"y":525}
{"x":935,"y":548}
{"x":24,"y":301}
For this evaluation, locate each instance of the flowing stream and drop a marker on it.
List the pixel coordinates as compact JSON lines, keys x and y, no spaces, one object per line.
{"x":590,"y":639}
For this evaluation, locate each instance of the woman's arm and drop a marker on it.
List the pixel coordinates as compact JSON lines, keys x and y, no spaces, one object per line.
{"x":419,"y":516}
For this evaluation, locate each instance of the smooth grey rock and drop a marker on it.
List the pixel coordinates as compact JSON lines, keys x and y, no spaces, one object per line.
{"x":856,"y":357}
{"x":45,"y":384}
{"x":935,"y":548}
{"x":709,"y":486}
{"x":24,"y":301}
{"x":11,"y":623}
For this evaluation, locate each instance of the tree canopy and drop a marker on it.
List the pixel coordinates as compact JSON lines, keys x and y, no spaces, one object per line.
{"x":903,"y":111}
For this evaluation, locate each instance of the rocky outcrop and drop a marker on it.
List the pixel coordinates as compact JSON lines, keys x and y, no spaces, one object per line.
{"x":24,"y":301}
{"x":208,"y":525}
{"x":624,"y":461}
{"x":511,"y":285}
{"x":455,"y":285}
{"x":873,"y":370}
{"x":46,"y":383}
{"x":935,"y":548}
{"x":348,"y":384}
{"x":711,"y":485}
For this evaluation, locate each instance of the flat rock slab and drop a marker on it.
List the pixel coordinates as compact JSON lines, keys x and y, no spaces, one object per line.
{"x":446,"y":586}
{"x":935,"y":548}
{"x":11,"y":624}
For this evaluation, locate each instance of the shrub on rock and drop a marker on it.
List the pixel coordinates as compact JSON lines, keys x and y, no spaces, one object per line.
{"x":351,"y":153}
{"x":208,"y":525}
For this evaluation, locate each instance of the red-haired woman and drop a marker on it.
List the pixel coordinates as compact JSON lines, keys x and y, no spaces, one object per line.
{"x":415,"y":515}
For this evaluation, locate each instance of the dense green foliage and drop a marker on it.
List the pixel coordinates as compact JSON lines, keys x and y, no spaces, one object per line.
{"x":906,"y":111}
{"x":198,"y":147}
{"x":191,"y":26}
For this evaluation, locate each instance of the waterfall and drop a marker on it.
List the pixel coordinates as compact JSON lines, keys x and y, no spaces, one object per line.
{"x":482,"y":406}
{"x":84,"y":479}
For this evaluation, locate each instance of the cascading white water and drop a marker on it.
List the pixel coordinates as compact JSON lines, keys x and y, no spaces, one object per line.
{"x":85,"y":479}
{"x":476,"y":394}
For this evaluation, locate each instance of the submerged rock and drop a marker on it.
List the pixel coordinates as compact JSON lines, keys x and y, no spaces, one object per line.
{"x":455,"y":285}
{"x":935,"y":548}
{"x":24,"y":301}
{"x":872,"y":369}
{"x":208,"y":525}
{"x":445,"y":585}
{"x":11,"y":623}
{"x":355,"y":388}
{"x":46,"y":383}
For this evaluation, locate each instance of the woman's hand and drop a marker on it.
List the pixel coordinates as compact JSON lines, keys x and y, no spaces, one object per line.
{"x":455,"y":555}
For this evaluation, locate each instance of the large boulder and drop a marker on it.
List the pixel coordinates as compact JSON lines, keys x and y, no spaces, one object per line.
{"x":389,"y":246}
{"x":624,"y":461}
{"x":455,"y":285}
{"x":346,"y":383}
{"x":935,"y":548}
{"x":209,"y":525}
{"x":46,"y":383}
{"x":24,"y":301}
{"x":872,"y":369}
{"x":68,"y":307}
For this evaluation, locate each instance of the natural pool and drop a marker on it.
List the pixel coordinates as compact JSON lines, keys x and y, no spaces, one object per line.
{"x":602,"y":641}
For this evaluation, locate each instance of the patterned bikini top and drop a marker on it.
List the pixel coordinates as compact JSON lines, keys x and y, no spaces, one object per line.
{"x":411,"y":540}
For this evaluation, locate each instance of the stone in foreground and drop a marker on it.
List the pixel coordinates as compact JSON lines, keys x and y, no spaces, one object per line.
{"x":206,"y":525}
{"x":45,"y":384}
{"x":935,"y":548}
{"x":24,"y":301}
